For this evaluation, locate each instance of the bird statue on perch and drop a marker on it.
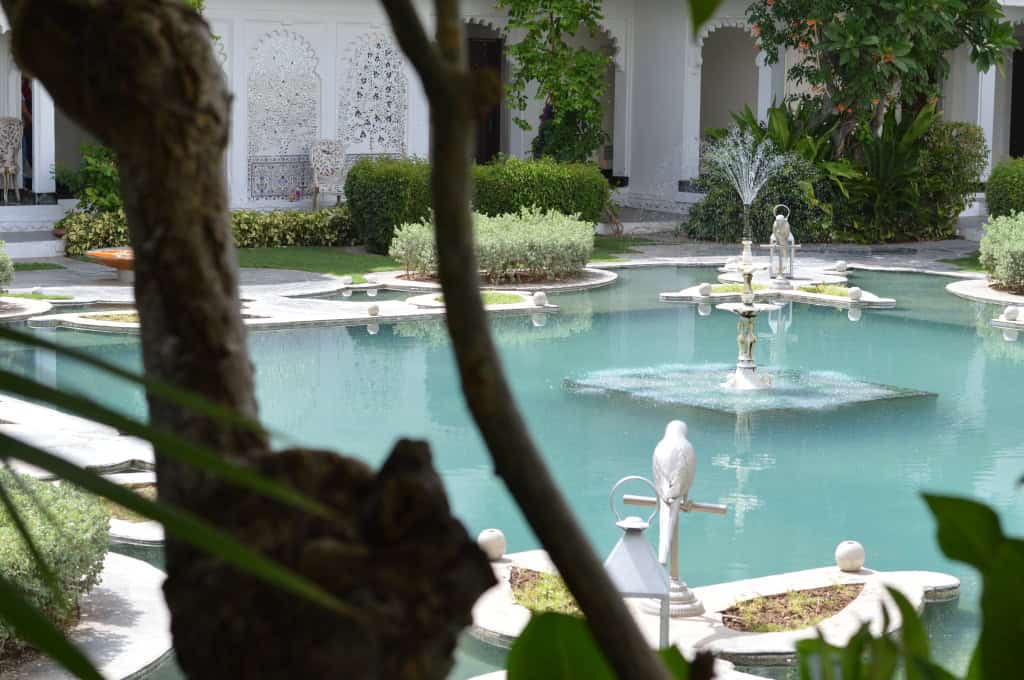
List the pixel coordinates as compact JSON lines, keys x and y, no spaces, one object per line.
{"x":675,"y":466}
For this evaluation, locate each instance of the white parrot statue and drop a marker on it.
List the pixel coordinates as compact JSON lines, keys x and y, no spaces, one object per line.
{"x":675,"y":465}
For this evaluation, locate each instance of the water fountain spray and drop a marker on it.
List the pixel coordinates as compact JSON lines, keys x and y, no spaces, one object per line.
{"x":747,"y":165}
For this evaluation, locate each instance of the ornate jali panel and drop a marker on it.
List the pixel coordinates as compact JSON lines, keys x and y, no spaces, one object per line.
{"x":373,"y":98}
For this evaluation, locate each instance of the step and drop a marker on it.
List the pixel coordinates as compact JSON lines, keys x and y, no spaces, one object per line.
{"x":24,"y":245}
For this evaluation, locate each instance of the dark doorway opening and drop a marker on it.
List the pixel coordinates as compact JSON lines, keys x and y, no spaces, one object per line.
{"x":487,"y":53}
{"x":1017,"y":106}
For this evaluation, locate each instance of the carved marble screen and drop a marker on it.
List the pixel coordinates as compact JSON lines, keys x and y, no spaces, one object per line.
{"x":284,"y":114}
{"x":373,"y":99}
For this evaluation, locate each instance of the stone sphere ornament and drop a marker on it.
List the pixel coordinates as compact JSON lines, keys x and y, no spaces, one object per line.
{"x":1011,"y":313}
{"x":540,"y":299}
{"x":346,"y":280}
{"x":374,"y":310}
{"x":841,"y":266}
{"x":850,"y":556}
{"x":705,"y":289}
{"x":855,"y":294}
{"x":493,"y":544}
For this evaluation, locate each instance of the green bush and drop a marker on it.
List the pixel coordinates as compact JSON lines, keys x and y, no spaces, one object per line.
{"x":1005,"y":188}
{"x":510,"y":184}
{"x":719,"y":217}
{"x":70,"y":530}
{"x":384,"y":193}
{"x":531,"y":245}
{"x":952,"y":160}
{"x":97,"y":182}
{"x":1002,"y":251}
{"x":6,"y":268}
{"x":85,"y":231}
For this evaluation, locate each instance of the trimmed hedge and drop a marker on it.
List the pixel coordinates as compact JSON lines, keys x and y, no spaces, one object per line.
{"x":1005,"y":188}
{"x":6,"y":268}
{"x":509,"y":185}
{"x":530,"y":245}
{"x":1002,"y":251}
{"x":385,"y":193}
{"x":70,"y":530}
{"x":86,"y":231}
{"x":952,"y":160}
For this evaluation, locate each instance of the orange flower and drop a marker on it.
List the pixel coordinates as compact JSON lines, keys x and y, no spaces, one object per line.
{"x":804,"y":45}
{"x":769,"y":2}
{"x":755,"y":30}
{"x":841,"y":108}
{"x":933,"y":100}
{"x":812,"y":22}
{"x":875,"y":101}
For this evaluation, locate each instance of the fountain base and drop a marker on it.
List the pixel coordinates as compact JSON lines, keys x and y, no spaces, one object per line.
{"x":683,"y":603}
{"x":746,"y":378}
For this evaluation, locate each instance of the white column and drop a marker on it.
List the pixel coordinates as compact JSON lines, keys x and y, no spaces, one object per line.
{"x":44,"y":140}
{"x":987,"y":112}
{"x":765,"y":87}
{"x":691,"y":111}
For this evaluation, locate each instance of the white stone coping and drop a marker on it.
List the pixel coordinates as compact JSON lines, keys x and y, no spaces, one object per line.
{"x":525,"y":303}
{"x":868,"y":300}
{"x":124,"y":627}
{"x":804,"y":276}
{"x":593,"y":277}
{"x":979,"y":290}
{"x":142,"y":534}
{"x":274,"y":313}
{"x":498,"y":620}
{"x":79,"y":441}
{"x":26,"y":308}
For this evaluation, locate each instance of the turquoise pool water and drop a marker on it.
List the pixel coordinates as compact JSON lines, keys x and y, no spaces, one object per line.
{"x":796,"y":483}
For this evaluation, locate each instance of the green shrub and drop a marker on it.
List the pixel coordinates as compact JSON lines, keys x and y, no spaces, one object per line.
{"x":6,"y":268}
{"x":509,"y":185}
{"x":97,"y":182}
{"x":530,"y":245}
{"x":1004,"y":190}
{"x":719,"y":217}
{"x":85,"y":231}
{"x":1002,"y":251}
{"x":73,"y":544}
{"x":384,"y":193}
{"x":952,"y":160}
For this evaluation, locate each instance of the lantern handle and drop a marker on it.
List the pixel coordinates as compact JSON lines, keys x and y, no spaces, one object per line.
{"x":775,"y":210}
{"x":633,"y":478}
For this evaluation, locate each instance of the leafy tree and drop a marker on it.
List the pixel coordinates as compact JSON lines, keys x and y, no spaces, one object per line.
{"x":571,"y":79}
{"x":861,"y":57}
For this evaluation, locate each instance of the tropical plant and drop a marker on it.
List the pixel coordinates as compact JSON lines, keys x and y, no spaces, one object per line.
{"x":953,"y":158}
{"x":570,"y":79}
{"x":1004,"y":191}
{"x":96,"y":183}
{"x":6,"y":268}
{"x":861,"y":58}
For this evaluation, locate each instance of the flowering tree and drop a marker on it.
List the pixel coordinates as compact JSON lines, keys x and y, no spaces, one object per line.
{"x":859,"y":57}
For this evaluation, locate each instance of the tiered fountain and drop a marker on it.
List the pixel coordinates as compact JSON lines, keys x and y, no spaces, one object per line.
{"x":745,"y":377}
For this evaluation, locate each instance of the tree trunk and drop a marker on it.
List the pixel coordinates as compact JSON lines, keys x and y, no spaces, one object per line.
{"x":143,"y":78}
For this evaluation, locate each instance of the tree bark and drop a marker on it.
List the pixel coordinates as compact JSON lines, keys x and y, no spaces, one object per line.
{"x":455,"y":95}
{"x":143,"y":78}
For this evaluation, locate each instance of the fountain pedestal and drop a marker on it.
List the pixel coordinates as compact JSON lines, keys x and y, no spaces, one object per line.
{"x":745,"y":377}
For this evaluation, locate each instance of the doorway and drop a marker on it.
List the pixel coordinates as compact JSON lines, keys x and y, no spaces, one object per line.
{"x":1017,"y":106}
{"x":487,"y":52}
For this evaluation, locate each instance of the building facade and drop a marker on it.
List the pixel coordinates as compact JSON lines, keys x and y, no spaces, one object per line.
{"x":309,"y":69}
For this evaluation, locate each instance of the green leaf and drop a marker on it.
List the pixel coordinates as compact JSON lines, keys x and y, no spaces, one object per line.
{"x":1002,"y":602}
{"x":927,"y":670}
{"x":701,"y":11}
{"x":968,"y":531}
{"x":181,"y":524}
{"x":33,"y":628}
{"x":166,"y":443}
{"x":912,"y":632}
{"x":560,"y":647}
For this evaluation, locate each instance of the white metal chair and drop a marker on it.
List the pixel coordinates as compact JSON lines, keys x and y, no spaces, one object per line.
{"x":12,"y":131}
{"x":328,"y":158}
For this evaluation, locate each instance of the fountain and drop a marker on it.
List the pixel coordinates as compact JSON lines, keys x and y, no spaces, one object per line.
{"x":747,"y":166}
{"x":745,"y":377}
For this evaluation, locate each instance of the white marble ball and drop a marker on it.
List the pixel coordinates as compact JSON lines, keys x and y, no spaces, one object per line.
{"x":1011,"y":313}
{"x":850,"y":556}
{"x":493,"y":544}
{"x":346,"y":280}
{"x":855,"y":294}
{"x":841,"y":266}
{"x":705,"y":289}
{"x":374,"y":310}
{"x":540,"y":299}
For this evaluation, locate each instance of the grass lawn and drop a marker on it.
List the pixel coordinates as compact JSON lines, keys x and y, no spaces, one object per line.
{"x":826,"y":289}
{"x":736,"y":287}
{"x":541,"y":592}
{"x":495,"y":298}
{"x":334,"y":261}
{"x":36,"y":296}
{"x":35,"y":266}
{"x":971,"y":263}
{"x":607,"y":248}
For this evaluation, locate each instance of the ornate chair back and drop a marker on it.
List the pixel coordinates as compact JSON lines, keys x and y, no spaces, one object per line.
{"x":328,"y":158}
{"x":12,"y":131}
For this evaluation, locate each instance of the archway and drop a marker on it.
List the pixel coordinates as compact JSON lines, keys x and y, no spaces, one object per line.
{"x":485,"y":46}
{"x":729,"y":81}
